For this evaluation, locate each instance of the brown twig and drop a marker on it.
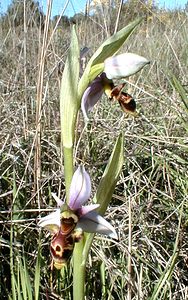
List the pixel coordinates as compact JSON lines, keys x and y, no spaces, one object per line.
{"x":40,"y":83}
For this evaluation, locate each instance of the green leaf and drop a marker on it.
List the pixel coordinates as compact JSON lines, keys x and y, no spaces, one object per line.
{"x":113,"y":44}
{"x":106,"y":186}
{"x":69,"y":106}
{"x":107,"y":49}
{"x":68,"y":95}
{"x":110,"y":177}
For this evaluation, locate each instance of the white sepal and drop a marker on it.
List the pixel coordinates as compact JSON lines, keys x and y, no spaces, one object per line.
{"x":51,"y":222}
{"x":124,"y":65}
{"x":93,"y":222}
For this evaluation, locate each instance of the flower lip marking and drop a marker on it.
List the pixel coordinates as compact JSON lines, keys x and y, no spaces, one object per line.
{"x":62,"y":244}
{"x":68,"y":221}
{"x":61,"y":249}
{"x":125,"y":100}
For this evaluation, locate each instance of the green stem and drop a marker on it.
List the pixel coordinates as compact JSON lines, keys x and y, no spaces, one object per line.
{"x":78,"y":265}
{"x":78,"y":272}
{"x":68,"y":169}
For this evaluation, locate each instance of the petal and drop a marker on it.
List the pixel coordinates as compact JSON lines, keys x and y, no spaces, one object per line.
{"x":86,"y":209}
{"x":59,"y":201}
{"x":124,"y":65}
{"x":91,"y":96}
{"x":80,"y":188}
{"x":93,"y":222}
{"x":51,"y":222}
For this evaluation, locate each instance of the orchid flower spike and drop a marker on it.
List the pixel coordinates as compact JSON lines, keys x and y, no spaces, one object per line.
{"x":116,"y":67}
{"x":68,"y":222}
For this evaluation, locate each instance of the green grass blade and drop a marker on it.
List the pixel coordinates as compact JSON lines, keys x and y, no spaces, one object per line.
{"x":103,"y":281}
{"x":13,"y":280}
{"x":37,"y":274}
{"x":26,"y":280}
{"x":180,"y":89}
{"x":182,"y":112}
{"x":160,"y":286}
{"x":23,"y":279}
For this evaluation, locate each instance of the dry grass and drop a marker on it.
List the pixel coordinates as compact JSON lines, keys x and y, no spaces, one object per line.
{"x":146,"y":208}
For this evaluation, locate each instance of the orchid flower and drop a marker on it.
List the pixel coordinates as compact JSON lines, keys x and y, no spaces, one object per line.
{"x":115,"y":67}
{"x":69,"y":221}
